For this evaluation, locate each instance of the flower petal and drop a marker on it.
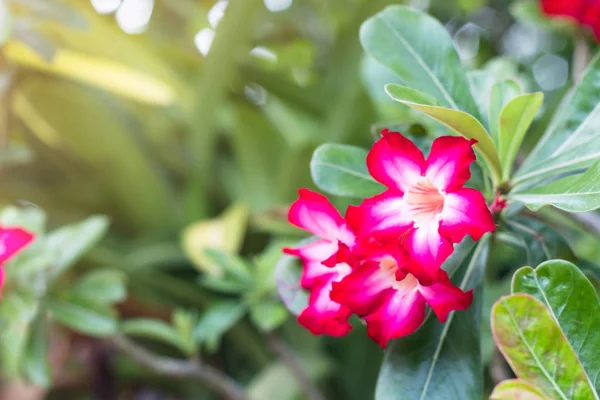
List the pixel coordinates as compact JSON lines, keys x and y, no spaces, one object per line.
{"x":312,"y":256}
{"x":361,"y":289}
{"x":465,"y":212}
{"x":323,"y":315}
{"x":566,"y":8}
{"x":428,"y":250}
{"x":400,"y":313}
{"x":12,"y":240}
{"x":449,"y":162}
{"x":313,"y":212}
{"x":443,"y":297}
{"x":383,"y":217}
{"x":395,"y":161}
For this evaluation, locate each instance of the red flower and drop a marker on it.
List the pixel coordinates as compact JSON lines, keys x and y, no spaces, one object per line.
{"x":313,"y":212}
{"x":12,"y":240}
{"x":426,"y":208}
{"x":585,"y":12}
{"x":391,"y":301}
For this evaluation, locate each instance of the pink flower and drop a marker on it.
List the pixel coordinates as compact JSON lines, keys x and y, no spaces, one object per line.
{"x":391,"y":301}
{"x":426,"y":208}
{"x":12,"y":240}
{"x":313,"y":212}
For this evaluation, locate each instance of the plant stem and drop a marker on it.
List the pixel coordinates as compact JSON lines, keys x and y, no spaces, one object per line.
{"x":290,"y":360}
{"x":211,"y":377}
{"x":581,"y":57}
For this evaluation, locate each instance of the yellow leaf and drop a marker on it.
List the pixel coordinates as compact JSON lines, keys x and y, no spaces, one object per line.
{"x":224,"y":233}
{"x":100,"y":72}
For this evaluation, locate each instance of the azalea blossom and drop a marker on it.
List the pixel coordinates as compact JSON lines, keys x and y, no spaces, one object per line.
{"x":12,"y":240}
{"x":392,"y":301}
{"x":425,"y":207}
{"x":314,"y":213}
{"x":584,"y":12}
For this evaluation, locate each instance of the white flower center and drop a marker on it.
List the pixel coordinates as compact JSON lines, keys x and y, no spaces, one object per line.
{"x":425,"y":201}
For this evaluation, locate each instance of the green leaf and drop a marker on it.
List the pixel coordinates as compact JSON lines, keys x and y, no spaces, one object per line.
{"x":572,"y":302}
{"x":418,"y":49}
{"x":536,"y":349}
{"x":84,"y":317}
{"x":156,"y":330}
{"x":571,"y":142}
{"x":579,"y":193}
{"x":32,"y":219}
{"x":512,"y":389}
{"x":71,"y":242}
{"x":441,"y":361}
{"x":17,"y":310}
{"x":515,"y":119}
{"x":268,"y":315}
{"x":458,"y":121}
{"x":36,"y":366}
{"x":287,"y":279}
{"x":539,"y":241}
{"x":184,"y":321}
{"x":501,"y":94}
{"x":230,"y":264}
{"x":217,"y":320}
{"x":341,"y":170}
{"x":101,"y":286}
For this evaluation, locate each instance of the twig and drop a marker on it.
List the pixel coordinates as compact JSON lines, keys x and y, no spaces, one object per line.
{"x":290,"y":360}
{"x":211,"y":377}
{"x":581,"y":56}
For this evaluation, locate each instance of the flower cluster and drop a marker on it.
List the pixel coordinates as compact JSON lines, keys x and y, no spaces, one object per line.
{"x":12,"y":240}
{"x":584,"y":12}
{"x":383,"y":260}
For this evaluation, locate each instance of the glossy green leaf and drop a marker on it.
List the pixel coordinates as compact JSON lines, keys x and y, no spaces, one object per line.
{"x":342,"y":170}
{"x":512,"y":389}
{"x":572,"y":302}
{"x":460,"y":122}
{"x":571,"y":142}
{"x":441,"y":361}
{"x":500,"y":95}
{"x":70,"y":243}
{"x":418,"y":49}
{"x":579,"y":193}
{"x":217,"y":320}
{"x":155,"y":329}
{"x":536,"y":348}
{"x":84,"y":317}
{"x":515,"y":119}
{"x":101,"y":286}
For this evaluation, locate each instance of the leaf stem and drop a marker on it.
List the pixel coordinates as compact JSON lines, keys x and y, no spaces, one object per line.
{"x":290,"y":360}
{"x":211,"y":377}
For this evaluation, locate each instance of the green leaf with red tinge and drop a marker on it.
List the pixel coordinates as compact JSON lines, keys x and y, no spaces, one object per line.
{"x":536,"y":348}
{"x":517,"y":389}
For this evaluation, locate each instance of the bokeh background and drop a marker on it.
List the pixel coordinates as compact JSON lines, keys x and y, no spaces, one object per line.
{"x":190,"y":124}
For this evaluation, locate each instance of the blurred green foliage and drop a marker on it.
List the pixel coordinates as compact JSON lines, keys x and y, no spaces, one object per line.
{"x":193,"y":155}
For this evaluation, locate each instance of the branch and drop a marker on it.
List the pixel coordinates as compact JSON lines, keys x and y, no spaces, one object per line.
{"x":581,"y":57}
{"x":289,"y":359}
{"x":211,"y":377}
